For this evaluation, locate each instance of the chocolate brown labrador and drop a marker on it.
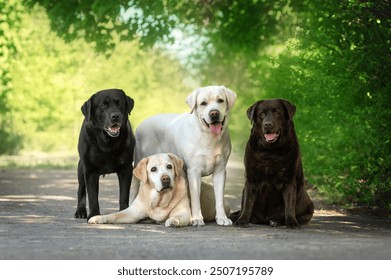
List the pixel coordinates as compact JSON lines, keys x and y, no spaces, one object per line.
{"x":274,"y":191}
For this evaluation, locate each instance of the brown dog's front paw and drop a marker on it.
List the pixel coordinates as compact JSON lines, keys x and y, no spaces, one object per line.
{"x":274,"y":223}
{"x":241,"y":223}
{"x":292,"y":223}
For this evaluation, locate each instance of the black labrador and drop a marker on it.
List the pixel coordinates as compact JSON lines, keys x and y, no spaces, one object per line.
{"x":106,"y":145}
{"x":274,"y":191}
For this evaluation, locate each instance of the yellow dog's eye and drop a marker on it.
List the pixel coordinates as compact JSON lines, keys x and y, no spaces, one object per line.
{"x":169,"y":166}
{"x":153,"y":169}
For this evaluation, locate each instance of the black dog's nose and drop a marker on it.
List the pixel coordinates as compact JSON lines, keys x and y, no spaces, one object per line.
{"x":214,"y":115}
{"x":268,"y":125}
{"x":114,"y":117}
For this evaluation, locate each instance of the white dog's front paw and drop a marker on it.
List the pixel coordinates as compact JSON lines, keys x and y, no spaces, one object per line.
{"x":224,"y":221}
{"x":96,"y":220}
{"x":172,"y":222}
{"x":197,"y":222}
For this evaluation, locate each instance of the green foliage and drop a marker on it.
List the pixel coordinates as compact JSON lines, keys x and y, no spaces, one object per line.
{"x":53,"y":79}
{"x":9,"y":25}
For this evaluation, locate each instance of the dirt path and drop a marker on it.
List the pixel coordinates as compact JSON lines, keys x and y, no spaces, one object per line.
{"x":36,"y":222}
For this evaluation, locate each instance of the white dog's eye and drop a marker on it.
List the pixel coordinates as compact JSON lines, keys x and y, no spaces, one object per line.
{"x":169,"y":166}
{"x":153,"y":169}
{"x":220,"y":100}
{"x":204,"y":103}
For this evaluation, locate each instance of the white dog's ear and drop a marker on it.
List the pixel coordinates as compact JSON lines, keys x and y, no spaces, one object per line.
{"x":178,"y":164}
{"x":231,"y":96}
{"x":191,"y":100}
{"x":140,"y":172}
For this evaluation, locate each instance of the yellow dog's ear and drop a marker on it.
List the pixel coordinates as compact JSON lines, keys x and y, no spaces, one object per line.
{"x":178,"y":164}
{"x":141,"y":170}
{"x":230,"y":95}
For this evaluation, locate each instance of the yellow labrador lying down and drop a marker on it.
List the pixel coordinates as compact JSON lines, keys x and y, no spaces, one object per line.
{"x":163,"y":195}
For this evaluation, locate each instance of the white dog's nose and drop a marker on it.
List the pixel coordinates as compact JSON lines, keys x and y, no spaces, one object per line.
{"x":214,"y":115}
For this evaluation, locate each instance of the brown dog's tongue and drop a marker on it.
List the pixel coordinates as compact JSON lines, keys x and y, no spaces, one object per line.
{"x":216,"y":128}
{"x":270,"y":136}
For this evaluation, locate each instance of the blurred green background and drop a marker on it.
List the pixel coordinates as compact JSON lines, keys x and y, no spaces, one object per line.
{"x":332,"y":59}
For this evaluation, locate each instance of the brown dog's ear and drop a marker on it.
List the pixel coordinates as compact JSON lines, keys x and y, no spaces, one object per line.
{"x":178,"y":164}
{"x":252,"y":110}
{"x":289,"y":107}
{"x":86,"y":109}
{"x":140,"y":172}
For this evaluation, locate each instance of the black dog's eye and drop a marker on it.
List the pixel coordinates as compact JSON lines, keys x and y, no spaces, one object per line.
{"x":153,"y":169}
{"x":204,"y":103}
{"x":104,"y":104}
{"x":169,"y":166}
{"x":117,"y":101}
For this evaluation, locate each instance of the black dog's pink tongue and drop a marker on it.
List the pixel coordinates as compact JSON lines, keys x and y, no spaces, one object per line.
{"x":270,"y":136}
{"x":114,"y":129}
{"x":216,"y":128}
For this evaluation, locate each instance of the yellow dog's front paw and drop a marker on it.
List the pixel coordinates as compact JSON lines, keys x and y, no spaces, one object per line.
{"x":96,"y":220}
{"x":172,"y":222}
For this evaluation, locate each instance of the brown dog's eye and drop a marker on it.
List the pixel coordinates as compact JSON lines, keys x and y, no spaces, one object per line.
{"x":153,"y":169}
{"x":169,"y":166}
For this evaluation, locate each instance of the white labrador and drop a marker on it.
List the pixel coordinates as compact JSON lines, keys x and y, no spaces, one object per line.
{"x":201,"y":138}
{"x":162,"y":196}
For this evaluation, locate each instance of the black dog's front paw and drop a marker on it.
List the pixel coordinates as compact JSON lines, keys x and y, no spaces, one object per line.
{"x":81,"y":213}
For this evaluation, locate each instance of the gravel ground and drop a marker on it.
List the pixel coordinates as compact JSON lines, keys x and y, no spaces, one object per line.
{"x":36,"y":222}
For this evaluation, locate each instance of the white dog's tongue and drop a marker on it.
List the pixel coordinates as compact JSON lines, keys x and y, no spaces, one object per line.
{"x":216,"y":128}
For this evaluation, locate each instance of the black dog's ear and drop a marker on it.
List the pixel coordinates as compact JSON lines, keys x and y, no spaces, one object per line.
{"x":129,"y":104}
{"x":289,"y":107}
{"x":251,"y":111}
{"x":86,"y":109}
